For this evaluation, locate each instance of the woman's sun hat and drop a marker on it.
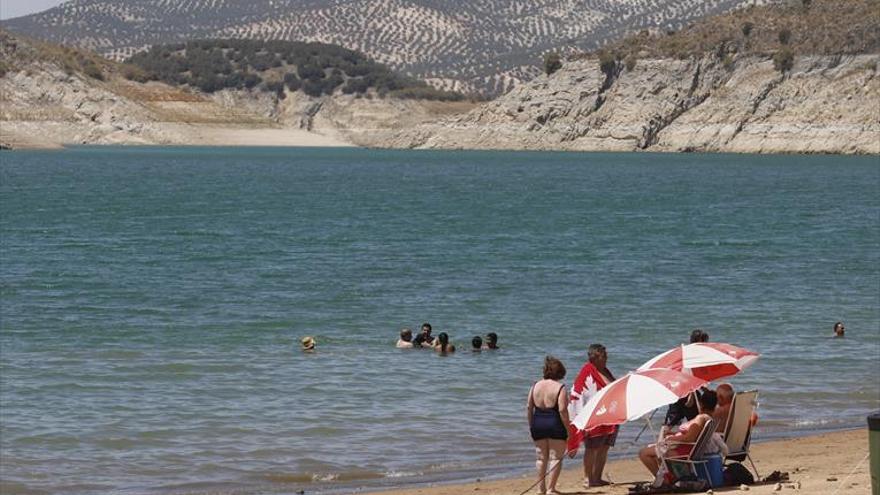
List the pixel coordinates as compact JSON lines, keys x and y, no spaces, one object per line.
{"x":308,"y":343}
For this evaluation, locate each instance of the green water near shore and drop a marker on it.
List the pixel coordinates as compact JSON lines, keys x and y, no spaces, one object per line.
{"x":152,"y":300}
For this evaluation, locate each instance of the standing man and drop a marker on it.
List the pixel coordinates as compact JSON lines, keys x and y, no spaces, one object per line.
{"x":594,"y":376}
{"x":686,"y":407}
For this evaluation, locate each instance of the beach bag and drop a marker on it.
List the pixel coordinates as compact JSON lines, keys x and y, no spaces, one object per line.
{"x":736,"y":474}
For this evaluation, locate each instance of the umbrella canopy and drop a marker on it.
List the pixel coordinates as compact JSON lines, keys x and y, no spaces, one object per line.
{"x":706,"y":360}
{"x":637,"y":393}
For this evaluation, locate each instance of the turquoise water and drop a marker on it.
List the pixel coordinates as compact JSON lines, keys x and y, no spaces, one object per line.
{"x":152,"y":301}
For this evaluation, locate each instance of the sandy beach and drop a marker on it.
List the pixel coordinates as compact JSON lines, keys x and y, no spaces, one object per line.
{"x":827,"y":464}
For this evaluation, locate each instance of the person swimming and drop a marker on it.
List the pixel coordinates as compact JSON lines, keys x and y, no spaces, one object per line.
{"x":477,"y":343}
{"x":442,"y":344}
{"x":839,"y":329}
{"x":308,"y":344}
{"x":491,"y":341}
{"x":424,"y":338}
{"x":405,"y":340}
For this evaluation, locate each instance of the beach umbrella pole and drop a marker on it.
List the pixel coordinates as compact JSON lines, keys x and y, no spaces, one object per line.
{"x":648,"y":424}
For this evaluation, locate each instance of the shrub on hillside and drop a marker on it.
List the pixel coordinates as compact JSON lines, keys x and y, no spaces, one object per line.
{"x":91,"y":69}
{"x":607,"y":62}
{"x":276,"y":87}
{"x":784,"y":36}
{"x":552,"y":63}
{"x":134,"y":73}
{"x":293,"y":83}
{"x":783,"y":60}
{"x":427,"y":93}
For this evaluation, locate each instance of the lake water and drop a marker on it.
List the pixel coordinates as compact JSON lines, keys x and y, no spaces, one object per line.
{"x":153,"y":299}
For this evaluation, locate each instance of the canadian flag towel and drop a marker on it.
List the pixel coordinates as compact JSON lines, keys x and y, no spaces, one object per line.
{"x":588,"y":382}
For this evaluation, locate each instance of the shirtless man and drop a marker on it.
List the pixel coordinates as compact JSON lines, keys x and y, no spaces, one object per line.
{"x":722,"y":410}
{"x":405,"y":340}
{"x":424,"y":339}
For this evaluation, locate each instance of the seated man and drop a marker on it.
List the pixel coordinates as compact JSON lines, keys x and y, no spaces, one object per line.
{"x":722,"y":411}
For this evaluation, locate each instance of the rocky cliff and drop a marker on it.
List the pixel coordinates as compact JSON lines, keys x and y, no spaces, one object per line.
{"x":823,"y":104}
{"x":52,"y":96}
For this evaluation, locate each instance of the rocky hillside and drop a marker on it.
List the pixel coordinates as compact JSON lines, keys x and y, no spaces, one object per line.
{"x":52,"y":95}
{"x":770,"y":79}
{"x":462,"y":45}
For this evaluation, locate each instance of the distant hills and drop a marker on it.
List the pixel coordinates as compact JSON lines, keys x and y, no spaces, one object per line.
{"x":463,"y":45}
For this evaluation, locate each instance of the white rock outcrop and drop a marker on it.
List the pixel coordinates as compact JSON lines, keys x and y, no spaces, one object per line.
{"x":824,"y":104}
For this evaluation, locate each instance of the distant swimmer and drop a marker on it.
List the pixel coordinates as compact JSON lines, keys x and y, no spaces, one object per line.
{"x":839,"y":329}
{"x":405,"y":340}
{"x":698,"y":336}
{"x":477,"y":343}
{"x":308,"y":344}
{"x":491,"y":340}
{"x":442,"y":344}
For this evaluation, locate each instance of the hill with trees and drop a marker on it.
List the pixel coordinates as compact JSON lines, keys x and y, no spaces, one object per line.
{"x":316,"y":69}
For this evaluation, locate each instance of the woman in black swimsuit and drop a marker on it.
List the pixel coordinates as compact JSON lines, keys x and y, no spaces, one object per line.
{"x":548,"y":421}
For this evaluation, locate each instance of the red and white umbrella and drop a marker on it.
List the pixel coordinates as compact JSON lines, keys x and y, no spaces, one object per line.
{"x":637,"y":393}
{"x":707,"y":360}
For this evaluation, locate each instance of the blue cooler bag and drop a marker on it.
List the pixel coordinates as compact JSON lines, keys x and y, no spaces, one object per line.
{"x":711,"y":471}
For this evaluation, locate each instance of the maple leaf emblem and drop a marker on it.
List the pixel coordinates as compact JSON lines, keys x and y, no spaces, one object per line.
{"x":590,"y":387}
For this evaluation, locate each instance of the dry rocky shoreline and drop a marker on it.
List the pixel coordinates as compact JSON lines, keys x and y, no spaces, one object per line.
{"x":824,"y":104}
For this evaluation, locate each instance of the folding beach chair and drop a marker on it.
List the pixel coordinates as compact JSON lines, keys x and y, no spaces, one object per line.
{"x":690,"y":465}
{"x":738,"y":432}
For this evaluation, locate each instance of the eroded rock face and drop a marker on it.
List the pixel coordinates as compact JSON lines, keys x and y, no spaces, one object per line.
{"x":43,"y":106}
{"x":823,"y":105}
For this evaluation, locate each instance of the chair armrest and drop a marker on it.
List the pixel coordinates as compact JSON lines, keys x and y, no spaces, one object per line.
{"x":688,"y":461}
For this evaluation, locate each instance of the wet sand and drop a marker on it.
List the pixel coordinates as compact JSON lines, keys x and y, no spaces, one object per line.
{"x":826,"y":464}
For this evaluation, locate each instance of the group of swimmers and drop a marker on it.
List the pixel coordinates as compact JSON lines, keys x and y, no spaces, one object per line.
{"x":424,"y":340}
{"x":441,"y":343}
